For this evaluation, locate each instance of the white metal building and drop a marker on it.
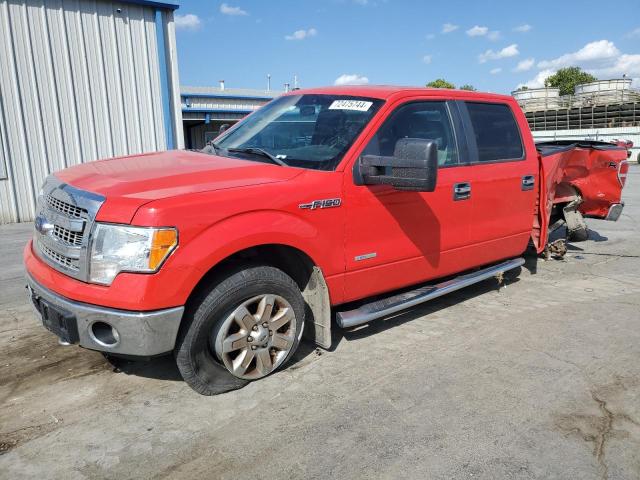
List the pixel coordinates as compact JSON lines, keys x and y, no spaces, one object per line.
{"x":82,"y":80}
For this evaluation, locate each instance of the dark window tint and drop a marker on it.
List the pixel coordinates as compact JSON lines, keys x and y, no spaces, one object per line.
{"x":496,"y":132}
{"x":425,"y":120}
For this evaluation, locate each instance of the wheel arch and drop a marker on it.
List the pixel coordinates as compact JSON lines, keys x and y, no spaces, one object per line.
{"x":294,"y":262}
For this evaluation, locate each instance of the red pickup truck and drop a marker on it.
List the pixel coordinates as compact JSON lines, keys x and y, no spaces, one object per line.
{"x":313,"y":204}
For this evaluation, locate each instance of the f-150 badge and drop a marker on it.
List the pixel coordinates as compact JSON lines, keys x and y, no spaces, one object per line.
{"x":326,"y":203}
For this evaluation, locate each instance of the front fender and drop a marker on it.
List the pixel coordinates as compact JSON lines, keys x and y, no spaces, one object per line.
{"x":251,"y":229}
{"x":199,"y":252}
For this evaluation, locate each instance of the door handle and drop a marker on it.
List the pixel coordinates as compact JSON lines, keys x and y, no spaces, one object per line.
{"x":461,"y":191}
{"x":528,"y":182}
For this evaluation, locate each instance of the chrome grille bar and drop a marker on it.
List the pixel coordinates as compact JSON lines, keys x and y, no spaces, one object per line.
{"x":61,"y":260}
{"x":67,"y":236}
{"x":65,"y":208}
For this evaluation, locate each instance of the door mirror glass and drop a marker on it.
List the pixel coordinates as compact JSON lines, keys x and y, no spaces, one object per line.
{"x":413,"y":166}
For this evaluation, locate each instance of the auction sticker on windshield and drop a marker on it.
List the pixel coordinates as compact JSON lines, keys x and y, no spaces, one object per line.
{"x":359,"y":105}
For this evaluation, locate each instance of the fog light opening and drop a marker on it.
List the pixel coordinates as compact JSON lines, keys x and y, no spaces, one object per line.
{"x":104,"y":334}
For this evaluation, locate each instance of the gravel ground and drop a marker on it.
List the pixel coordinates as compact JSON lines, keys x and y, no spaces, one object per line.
{"x":540,"y":379}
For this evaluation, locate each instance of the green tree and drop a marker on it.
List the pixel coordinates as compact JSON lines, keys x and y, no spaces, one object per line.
{"x":567,"y":78}
{"x":440,"y":83}
{"x":466,"y":86}
{"x":522,"y":88}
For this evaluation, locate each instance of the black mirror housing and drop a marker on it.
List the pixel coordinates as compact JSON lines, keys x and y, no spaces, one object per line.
{"x":413,"y":167}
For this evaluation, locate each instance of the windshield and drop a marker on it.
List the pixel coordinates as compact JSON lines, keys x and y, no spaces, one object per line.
{"x":309,"y":131}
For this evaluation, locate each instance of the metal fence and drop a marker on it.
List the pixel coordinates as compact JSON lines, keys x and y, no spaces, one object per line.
{"x":596,"y":116}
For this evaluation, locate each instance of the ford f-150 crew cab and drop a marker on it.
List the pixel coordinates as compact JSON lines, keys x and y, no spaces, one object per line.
{"x":313,"y":204}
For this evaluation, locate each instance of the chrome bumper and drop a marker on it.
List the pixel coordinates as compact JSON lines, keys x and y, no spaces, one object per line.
{"x":615,"y":211}
{"x":136,"y":333}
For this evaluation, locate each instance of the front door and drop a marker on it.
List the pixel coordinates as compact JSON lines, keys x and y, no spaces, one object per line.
{"x":397,"y":238}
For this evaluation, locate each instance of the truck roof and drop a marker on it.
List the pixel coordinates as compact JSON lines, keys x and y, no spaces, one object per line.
{"x":386,"y":91}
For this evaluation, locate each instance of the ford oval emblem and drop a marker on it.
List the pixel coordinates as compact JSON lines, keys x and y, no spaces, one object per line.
{"x":42,"y":225}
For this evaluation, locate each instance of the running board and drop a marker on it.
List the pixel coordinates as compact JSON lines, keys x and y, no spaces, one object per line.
{"x":397,"y":303}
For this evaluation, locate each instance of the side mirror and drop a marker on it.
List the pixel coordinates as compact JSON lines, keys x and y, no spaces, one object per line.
{"x":223,"y":128}
{"x":413,"y":167}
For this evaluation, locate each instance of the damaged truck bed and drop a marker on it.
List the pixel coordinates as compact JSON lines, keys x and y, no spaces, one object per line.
{"x":578,"y":180}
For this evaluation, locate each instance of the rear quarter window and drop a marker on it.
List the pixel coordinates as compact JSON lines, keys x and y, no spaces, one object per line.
{"x":496,"y":132}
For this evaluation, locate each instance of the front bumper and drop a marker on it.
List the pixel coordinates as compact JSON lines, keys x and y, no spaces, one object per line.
{"x":615,"y":211}
{"x":136,"y":333}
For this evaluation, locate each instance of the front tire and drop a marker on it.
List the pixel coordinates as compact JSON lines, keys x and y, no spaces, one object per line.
{"x":243,"y":328}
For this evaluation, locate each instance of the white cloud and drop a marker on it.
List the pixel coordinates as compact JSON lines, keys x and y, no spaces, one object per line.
{"x":351,"y":79}
{"x":625,"y":64}
{"x":187,"y":22}
{"x":592,"y":55}
{"x":495,"y":71}
{"x":538,"y":80}
{"x":302,"y":34}
{"x":506,"y":52}
{"x":635,"y":33}
{"x":449,"y":27}
{"x":427,"y":59}
{"x":601,"y":59}
{"x":525,"y":65}
{"x":233,"y":11}
{"x":477,"y":31}
{"x":523,"y":28}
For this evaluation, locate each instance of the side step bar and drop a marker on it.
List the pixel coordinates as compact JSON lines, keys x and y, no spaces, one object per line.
{"x":396,"y":303}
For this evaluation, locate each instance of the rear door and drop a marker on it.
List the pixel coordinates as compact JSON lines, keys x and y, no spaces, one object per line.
{"x":503,"y":181}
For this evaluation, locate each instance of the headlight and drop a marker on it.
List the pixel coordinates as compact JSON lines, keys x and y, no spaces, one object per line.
{"x":120,"y":248}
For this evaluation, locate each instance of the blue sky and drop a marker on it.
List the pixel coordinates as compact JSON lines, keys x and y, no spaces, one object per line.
{"x":494,"y":46}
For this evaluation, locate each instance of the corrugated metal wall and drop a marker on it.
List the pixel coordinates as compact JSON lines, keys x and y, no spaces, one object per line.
{"x":79,"y":80}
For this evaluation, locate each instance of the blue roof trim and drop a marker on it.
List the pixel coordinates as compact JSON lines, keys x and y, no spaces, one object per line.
{"x":167,"y":4}
{"x":215,"y":95}
{"x":164,"y":80}
{"x":214,"y":110}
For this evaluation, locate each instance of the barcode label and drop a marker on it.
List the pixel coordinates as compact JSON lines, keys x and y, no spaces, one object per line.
{"x":359,"y":105}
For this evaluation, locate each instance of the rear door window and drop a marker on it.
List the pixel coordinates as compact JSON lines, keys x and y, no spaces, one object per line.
{"x":496,"y":132}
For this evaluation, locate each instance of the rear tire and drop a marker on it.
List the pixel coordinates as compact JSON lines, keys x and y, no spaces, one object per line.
{"x":243,"y":328}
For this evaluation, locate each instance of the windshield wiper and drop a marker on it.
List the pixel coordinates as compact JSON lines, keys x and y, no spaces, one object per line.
{"x":258,"y":151}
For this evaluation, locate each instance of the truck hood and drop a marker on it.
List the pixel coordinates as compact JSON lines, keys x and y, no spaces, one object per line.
{"x":127,"y":183}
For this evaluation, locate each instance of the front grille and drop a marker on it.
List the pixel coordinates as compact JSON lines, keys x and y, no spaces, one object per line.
{"x":65,"y":208}
{"x":66,"y":262}
{"x":64,"y":219}
{"x":67,"y":236}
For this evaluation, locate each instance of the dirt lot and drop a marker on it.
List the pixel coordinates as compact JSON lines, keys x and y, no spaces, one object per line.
{"x":540,"y":379}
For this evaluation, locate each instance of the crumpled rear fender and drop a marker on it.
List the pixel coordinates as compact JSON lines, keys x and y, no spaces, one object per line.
{"x":589,"y":173}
